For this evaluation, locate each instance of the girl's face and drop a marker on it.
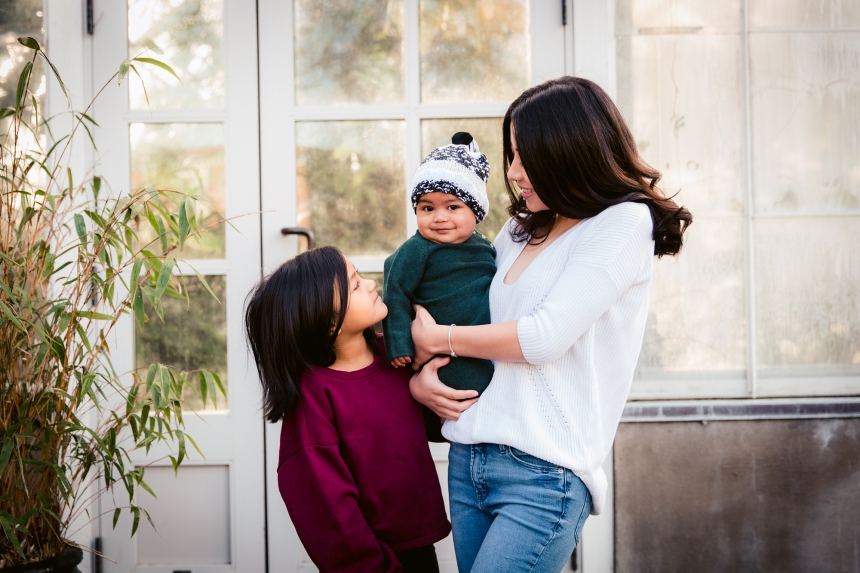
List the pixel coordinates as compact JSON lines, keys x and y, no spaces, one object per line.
{"x":364,"y":307}
{"x":517,"y":174}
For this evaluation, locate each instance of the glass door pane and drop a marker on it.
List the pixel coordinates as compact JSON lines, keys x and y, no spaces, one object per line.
{"x":348,"y":52}
{"x":473,"y":51}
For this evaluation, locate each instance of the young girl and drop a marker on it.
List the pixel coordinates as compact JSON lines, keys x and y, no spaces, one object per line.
{"x":354,"y":468}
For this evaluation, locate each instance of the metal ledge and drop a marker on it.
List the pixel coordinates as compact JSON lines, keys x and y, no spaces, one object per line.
{"x":759,"y":409}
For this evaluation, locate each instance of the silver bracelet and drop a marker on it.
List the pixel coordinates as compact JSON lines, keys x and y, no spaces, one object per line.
{"x":451,"y":348}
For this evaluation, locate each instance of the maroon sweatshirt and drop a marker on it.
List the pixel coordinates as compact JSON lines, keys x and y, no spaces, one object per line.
{"x":355,"y":470}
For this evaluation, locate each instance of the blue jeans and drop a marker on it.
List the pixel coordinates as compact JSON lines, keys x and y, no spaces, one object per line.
{"x":511,"y":511}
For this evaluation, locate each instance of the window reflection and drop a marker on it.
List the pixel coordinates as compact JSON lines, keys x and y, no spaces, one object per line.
{"x":350,"y":184}
{"x":192,"y":336}
{"x":473,"y":51}
{"x":187,"y":157}
{"x":348,"y":52}
{"x":186,"y":35}
{"x":20,"y":19}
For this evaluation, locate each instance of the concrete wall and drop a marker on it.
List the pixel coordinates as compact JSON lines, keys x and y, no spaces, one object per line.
{"x":736,"y":496}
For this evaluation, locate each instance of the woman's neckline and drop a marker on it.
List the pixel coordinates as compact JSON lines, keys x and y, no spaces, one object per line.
{"x":525,"y":244}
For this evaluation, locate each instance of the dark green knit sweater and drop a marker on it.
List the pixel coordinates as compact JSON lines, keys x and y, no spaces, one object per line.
{"x":452,"y":281}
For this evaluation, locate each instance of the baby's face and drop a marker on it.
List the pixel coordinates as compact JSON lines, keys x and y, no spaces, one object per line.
{"x":442,"y":218}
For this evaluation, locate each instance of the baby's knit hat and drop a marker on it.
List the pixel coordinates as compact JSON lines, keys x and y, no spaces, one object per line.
{"x":459,"y":169}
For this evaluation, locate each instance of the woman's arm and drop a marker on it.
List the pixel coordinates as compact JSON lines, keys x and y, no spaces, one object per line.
{"x":598,"y":273}
{"x":489,"y":341}
{"x":443,"y":400}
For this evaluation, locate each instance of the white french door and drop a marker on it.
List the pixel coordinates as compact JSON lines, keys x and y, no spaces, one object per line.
{"x":353,"y":94}
{"x":199,"y":136}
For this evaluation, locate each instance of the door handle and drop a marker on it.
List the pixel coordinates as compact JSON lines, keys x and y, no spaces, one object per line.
{"x":306,"y":233}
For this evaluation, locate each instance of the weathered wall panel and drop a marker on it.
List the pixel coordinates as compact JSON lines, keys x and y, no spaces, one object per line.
{"x":772,"y":496}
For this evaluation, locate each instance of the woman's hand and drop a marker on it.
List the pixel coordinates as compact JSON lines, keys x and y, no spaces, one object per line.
{"x":427,"y":389}
{"x":425,"y":333}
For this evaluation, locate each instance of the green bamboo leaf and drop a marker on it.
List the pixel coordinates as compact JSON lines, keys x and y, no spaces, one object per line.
{"x":144,"y":414}
{"x":220,"y":384}
{"x":29,"y":42}
{"x":180,"y":435}
{"x":164,"y":276}
{"x":94,"y":315}
{"x":148,"y":489}
{"x":9,"y":529}
{"x":150,"y":376}
{"x":183,"y":222}
{"x":150,"y":44}
{"x":11,"y":316}
{"x":137,"y":306}
{"x":135,"y":274}
{"x":160,"y":64}
{"x":6,"y":452}
{"x":196,"y":447}
{"x":135,"y":430}
{"x":203,"y":281}
{"x":136,"y":512}
{"x":142,"y":83}
{"x":57,"y":76}
{"x":116,"y":514}
{"x":22,"y":83}
{"x":123,"y":71}
{"x":203,"y":390}
{"x":54,"y":146}
{"x":164,"y":380}
{"x":81,"y":227}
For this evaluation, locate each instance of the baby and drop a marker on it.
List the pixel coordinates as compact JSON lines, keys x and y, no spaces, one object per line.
{"x":447,"y":267}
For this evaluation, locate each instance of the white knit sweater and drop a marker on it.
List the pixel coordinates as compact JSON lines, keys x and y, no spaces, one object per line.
{"x":580,"y":308}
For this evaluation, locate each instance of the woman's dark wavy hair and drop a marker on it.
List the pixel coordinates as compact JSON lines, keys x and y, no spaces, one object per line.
{"x":292,"y":318}
{"x":581,"y":158}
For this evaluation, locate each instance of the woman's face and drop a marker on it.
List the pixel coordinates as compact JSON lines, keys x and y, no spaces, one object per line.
{"x":517,"y":174}
{"x":365,"y":307}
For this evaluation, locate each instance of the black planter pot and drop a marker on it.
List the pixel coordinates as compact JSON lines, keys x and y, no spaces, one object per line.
{"x":65,"y":562}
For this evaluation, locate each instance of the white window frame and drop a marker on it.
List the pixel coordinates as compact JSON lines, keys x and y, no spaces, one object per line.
{"x":594,"y":58}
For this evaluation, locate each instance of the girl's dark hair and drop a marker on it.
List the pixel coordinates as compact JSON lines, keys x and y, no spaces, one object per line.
{"x":580,"y":158}
{"x":292,"y":318}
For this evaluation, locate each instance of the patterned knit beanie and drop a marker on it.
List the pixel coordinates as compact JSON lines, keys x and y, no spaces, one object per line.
{"x":459,"y":169}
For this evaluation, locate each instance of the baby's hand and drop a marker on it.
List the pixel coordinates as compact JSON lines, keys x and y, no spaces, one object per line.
{"x":401,"y":361}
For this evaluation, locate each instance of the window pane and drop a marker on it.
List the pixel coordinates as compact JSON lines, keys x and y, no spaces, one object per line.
{"x":192,"y":336}
{"x":190,"y":35}
{"x":192,"y":514}
{"x":473,"y":51}
{"x":660,"y":16}
{"x":187,"y":157}
{"x":488,"y":134}
{"x":20,"y":19}
{"x":804,"y":14}
{"x":350,"y":186}
{"x":807,"y":295}
{"x":348,"y":52}
{"x":805,"y":113}
{"x":696,"y":324}
{"x":681,"y":96}
{"x":679,"y":89}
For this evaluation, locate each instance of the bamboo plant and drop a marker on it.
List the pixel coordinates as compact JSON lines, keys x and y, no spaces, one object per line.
{"x":74,"y":259}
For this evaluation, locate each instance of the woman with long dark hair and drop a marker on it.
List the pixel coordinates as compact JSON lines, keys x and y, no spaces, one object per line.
{"x":568,"y":304}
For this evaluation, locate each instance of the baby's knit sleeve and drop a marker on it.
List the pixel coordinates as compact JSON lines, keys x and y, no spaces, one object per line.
{"x":402,"y":274}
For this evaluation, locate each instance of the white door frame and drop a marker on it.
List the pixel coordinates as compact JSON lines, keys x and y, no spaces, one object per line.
{"x":278,"y":167}
{"x":233,"y":438}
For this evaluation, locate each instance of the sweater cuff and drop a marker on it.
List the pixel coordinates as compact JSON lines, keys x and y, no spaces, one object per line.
{"x":530,"y":340}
